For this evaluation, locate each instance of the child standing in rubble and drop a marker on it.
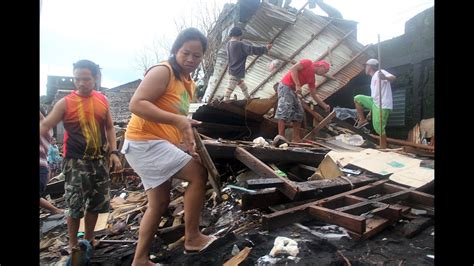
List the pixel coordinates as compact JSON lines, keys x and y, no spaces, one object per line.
{"x":159,"y":123}
{"x":54,"y":158}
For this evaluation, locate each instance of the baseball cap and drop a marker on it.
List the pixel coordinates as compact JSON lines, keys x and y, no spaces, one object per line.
{"x":372,"y":62}
{"x":235,"y":31}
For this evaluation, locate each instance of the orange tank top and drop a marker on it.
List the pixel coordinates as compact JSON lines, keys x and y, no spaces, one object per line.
{"x":175,"y":100}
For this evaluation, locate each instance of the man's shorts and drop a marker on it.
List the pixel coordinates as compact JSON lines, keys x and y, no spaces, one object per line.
{"x":368,"y":103}
{"x":289,"y":106}
{"x":87,"y":186}
{"x":233,"y":82}
{"x":155,"y":161}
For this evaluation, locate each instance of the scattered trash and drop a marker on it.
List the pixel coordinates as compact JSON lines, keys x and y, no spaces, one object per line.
{"x":235,"y":250}
{"x":418,"y":212}
{"x":283,"y":146}
{"x":260,"y":142}
{"x":284,"y":245}
{"x":330,"y":232}
{"x":345,"y":113}
{"x":354,"y":140}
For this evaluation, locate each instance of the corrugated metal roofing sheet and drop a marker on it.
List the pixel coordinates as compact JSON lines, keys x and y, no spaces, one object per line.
{"x":267,"y":23}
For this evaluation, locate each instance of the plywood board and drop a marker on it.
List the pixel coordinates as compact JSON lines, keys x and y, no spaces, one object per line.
{"x":100,"y":225}
{"x":414,"y":176}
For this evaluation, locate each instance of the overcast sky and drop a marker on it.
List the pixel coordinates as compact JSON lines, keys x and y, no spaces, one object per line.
{"x":113,"y":32}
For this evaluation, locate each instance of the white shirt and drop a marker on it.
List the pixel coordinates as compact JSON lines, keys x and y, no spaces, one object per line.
{"x":387,"y":101}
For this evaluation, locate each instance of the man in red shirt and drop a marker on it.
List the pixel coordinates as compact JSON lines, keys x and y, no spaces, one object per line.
{"x":289,"y":106}
{"x":89,"y":131}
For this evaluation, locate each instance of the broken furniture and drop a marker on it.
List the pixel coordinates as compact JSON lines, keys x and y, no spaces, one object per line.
{"x":364,"y":211}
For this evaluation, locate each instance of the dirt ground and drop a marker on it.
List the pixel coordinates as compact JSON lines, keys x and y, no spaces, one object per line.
{"x":387,"y":248}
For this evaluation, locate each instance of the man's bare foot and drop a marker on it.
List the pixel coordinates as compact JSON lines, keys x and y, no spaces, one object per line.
{"x":197,"y":243}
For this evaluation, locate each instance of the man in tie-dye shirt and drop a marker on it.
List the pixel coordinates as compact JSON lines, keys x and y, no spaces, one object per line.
{"x":89,"y":129}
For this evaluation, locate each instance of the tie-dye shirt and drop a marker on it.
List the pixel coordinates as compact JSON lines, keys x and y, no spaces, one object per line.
{"x":84,"y":122}
{"x":175,"y":100}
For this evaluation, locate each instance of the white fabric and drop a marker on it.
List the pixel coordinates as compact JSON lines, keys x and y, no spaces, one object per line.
{"x":387,"y":101}
{"x":155,"y":161}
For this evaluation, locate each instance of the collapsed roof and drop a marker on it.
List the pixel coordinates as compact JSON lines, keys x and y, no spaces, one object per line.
{"x":294,"y":37}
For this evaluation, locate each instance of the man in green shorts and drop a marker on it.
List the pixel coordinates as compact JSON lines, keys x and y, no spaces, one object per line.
{"x":372,"y":102}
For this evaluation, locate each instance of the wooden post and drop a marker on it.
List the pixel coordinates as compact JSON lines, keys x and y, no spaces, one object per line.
{"x":383,"y":137}
{"x":213,"y":174}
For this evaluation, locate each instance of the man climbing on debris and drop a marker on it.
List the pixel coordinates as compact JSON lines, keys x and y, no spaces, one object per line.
{"x":237,"y":52}
{"x":289,"y":90}
{"x":89,"y":129}
{"x":372,"y":102}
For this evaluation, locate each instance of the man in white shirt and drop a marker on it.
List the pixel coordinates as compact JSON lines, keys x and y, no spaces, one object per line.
{"x":372,"y":102}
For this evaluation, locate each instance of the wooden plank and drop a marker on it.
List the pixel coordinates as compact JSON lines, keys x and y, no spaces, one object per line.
{"x":100,"y":225}
{"x":308,"y":190}
{"x":308,"y":109}
{"x":289,"y":189}
{"x":406,"y":143}
{"x":213,"y":174}
{"x":279,"y":219}
{"x":383,"y":199}
{"x":421,"y":198}
{"x":375,"y":225}
{"x":262,"y":198}
{"x":392,"y":213}
{"x":234,"y":261}
{"x":356,"y":191}
{"x":362,"y":207}
{"x":171,"y":234}
{"x":269,"y":154}
{"x":321,"y":124}
{"x":264,"y":183}
{"x":351,"y":222}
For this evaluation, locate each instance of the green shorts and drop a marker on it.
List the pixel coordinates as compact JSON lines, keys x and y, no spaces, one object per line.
{"x":87,"y":186}
{"x":368,"y":103}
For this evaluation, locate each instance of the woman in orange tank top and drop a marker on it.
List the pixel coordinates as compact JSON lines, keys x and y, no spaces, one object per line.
{"x":158,"y":125}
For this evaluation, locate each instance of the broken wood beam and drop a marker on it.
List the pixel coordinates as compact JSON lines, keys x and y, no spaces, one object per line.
{"x":321,"y":124}
{"x":406,"y":143}
{"x":264,"y":183}
{"x":317,"y":189}
{"x":316,"y":116}
{"x":171,"y":234}
{"x":346,"y":220}
{"x":282,"y":218}
{"x":268,"y":154}
{"x":288,"y":188}
{"x":241,"y":256}
{"x":262,"y":199}
{"x":213,"y":174}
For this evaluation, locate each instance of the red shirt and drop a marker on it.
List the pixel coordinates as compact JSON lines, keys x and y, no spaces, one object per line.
{"x":305,"y":75}
{"x":84,"y":122}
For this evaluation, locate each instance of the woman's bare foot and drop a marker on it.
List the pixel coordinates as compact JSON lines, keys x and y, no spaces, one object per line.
{"x":144,"y":263}
{"x":199,"y":242}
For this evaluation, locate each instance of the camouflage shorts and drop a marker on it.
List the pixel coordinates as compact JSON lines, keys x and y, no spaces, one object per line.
{"x":87,"y":186}
{"x":289,"y":106}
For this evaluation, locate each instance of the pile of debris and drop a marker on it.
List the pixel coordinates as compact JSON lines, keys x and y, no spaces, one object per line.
{"x":326,"y":200}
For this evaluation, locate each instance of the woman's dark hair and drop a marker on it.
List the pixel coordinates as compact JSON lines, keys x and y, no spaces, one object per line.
{"x":189,"y":34}
{"x":93,"y":67}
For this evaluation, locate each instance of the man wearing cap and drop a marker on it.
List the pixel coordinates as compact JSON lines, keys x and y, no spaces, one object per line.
{"x":372,"y":102}
{"x":237,"y":53}
{"x":289,"y":106}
